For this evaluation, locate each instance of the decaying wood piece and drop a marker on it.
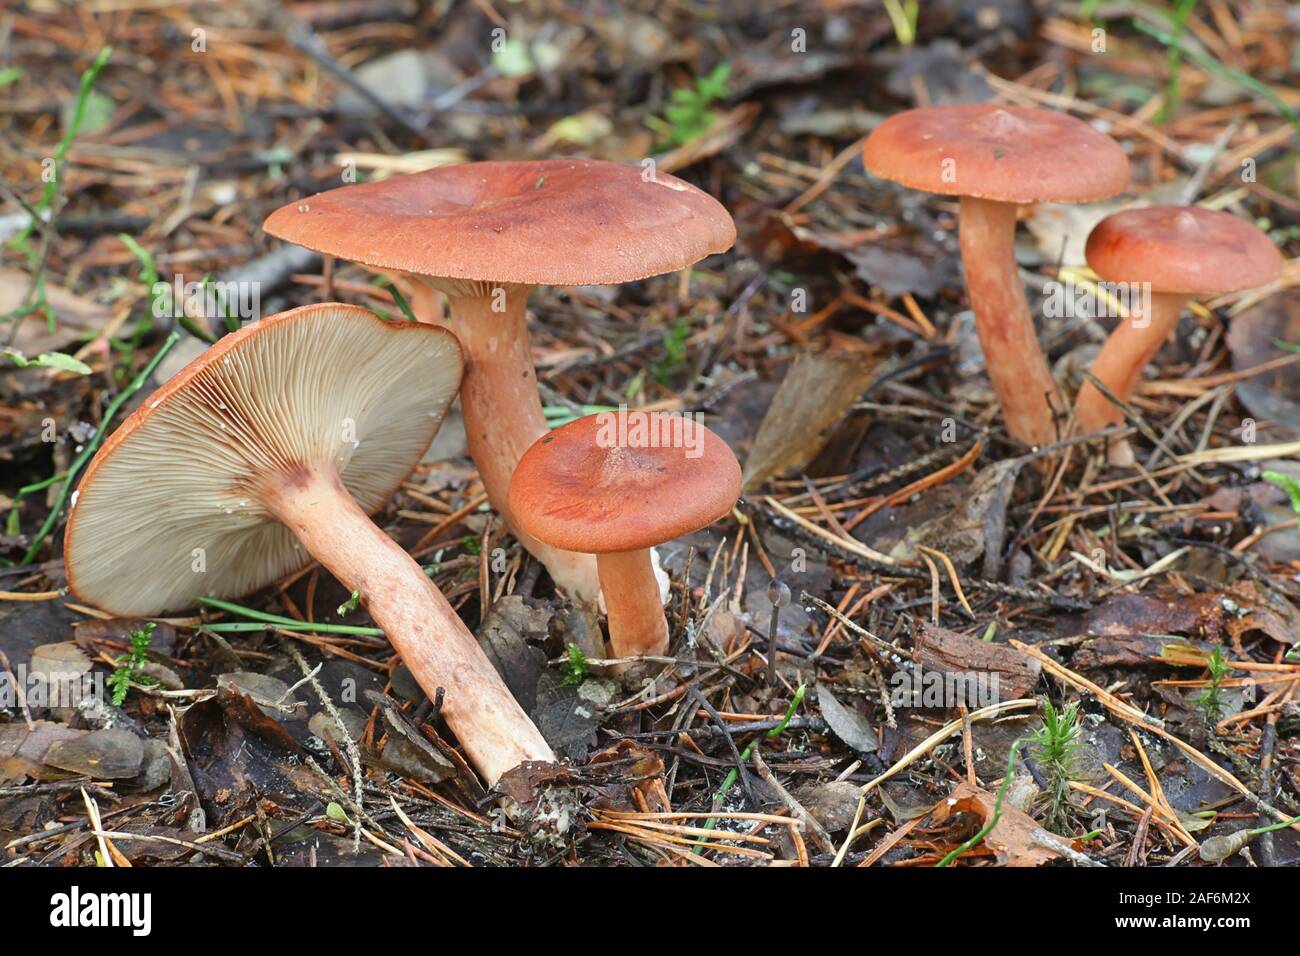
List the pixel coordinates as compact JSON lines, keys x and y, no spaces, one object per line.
{"x":950,"y":653}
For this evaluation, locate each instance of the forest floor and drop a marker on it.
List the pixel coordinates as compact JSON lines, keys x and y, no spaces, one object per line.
{"x":1138,"y":620}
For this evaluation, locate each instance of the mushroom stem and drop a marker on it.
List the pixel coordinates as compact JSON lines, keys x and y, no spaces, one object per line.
{"x":1015,"y":364}
{"x":1126,"y":352}
{"x":503,"y":416}
{"x":637,"y":624}
{"x":432,"y":640}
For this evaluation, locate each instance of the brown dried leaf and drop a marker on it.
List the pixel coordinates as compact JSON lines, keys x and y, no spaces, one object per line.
{"x":76,"y":315}
{"x":1275,"y":395}
{"x":1267,"y":612}
{"x":817,"y":391}
{"x":109,"y":754}
{"x":1126,"y":615}
{"x":1016,"y":839}
{"x":977,"y":525}
{"x":22,"y":751}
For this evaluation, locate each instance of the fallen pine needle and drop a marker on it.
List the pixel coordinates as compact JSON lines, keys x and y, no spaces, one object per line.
{"x":1130,"y":713}
{"x":943,"y":475}
{"x":29,"y":595}
{"x":920,"y":750}
{"x":851,"y":545}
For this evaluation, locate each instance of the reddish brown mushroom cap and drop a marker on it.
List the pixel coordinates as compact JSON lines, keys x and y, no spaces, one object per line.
{"x":1183,"y":249}
{"x":1005,"y":153}
{"x":553,"y":222}
{"x":599,"y":484}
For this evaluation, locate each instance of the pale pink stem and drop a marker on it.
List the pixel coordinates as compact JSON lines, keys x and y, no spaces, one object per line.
{"x":637,"y":625}
{"x":503,"y":414}
{"x":432,"y":640}
{"x":1126,"y":352}
{"x":1015,"y":364}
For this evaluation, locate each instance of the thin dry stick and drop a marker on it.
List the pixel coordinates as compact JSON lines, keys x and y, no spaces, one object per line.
{"x":659,"y":839}
{"x":632,"y":816}
{"x":824,"y":841}
{"x":889,"y":842}
{"x":934,"y":588}
{"x":126,"y":837}
{"x":97,"y":827}
{"x":431,"y":843}
{"x":350,"y":745}
{"x":825,"y":177}
{"x":19,"y":694}
{"x":1152,"y":803}
{"x":682,"y":830}
{"x":1276,"y":702}
{"x":1157,"y":791}
{"x":851,"y":545}
{"x":855,"y":628}
{"x":1240,"y":453}
{"x":952,"y":576}
{"x":935,"y":478}
{"x":1132,"y":808}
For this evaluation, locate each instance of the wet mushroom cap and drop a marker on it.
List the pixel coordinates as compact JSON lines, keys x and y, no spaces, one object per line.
{"x":552,"y":222}
{"x":1183,"y":249}
{"x":595,"y":486}
{"x":168,"y":509}
{"x":1003,"y":153}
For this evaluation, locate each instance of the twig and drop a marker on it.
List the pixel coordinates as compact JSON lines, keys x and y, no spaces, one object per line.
{"x":350,"y":745}
{"x":818,"y":831}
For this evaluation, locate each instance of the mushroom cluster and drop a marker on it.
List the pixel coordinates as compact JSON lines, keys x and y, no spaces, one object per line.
{"x":995,"y":158}
{"x":272,"y":449}
{"x":483,"y":235}
{"x":1178,"y":252}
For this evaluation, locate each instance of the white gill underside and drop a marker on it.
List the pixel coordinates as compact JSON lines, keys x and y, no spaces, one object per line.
{"x":171,"y":515}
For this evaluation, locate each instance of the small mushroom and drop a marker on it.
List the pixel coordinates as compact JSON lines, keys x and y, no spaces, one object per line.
{"x":1175,"y":252}
{"x":484,"y":234}
{"x":270,"y":449}
{"x":615,"y":485}
{"x":996,"y":157}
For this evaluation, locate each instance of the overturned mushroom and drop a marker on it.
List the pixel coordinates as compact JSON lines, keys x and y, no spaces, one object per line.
{"x":995,"y":157}
{"x":615,"y":485}
{"x":1173,"y":253}
{"x":269,"y":450}
{"x":484,"y":234}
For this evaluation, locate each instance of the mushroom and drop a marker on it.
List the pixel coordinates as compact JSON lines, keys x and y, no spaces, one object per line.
{"x":1173,"y":253}
{"x":270,"y":449}
{"x":995,"y":157}
{"x":616,"y":484}
{"x":484,"y":234}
